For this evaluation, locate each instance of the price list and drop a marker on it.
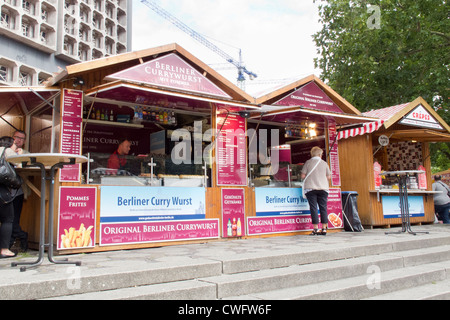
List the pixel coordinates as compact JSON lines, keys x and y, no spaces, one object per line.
{"x":231,"y":150}
{"x":71,"y":127}
{"x":334,"y":154}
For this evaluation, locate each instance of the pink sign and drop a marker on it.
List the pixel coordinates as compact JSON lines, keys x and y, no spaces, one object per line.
{"x":231,"y":151}
{"x":310,"y":96}
{"x":334,"y":154}
{"x":233,"y":213}
{"x":71,"y":131}
{"x":173,"y":72}
{"x":297,"y":223}
{"x":112,"y":234}
{"x":77,"y":218}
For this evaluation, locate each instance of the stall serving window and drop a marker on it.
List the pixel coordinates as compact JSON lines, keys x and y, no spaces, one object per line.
{"x":160,"y":142}
{"x":283,"y":148}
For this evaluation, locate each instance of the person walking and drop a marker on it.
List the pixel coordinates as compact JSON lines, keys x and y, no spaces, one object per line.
{"x":316,"y":175}
{"x":441,"y":200}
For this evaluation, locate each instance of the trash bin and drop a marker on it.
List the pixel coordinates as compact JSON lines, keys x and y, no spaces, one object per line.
{"x":350,"y":208}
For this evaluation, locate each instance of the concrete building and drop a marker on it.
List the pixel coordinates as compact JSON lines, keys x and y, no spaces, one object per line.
{"x":37,"y":37}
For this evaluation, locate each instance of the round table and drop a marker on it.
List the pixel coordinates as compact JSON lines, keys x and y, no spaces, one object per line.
{"x":53,"y":161}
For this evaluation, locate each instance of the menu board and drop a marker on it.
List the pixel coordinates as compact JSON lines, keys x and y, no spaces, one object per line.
{"x":334,"y":154}
{"x":231,"y":155}
{"x":71,"y":131}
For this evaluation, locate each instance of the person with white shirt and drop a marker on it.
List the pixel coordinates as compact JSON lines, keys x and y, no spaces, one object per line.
{"x":316,"y":175}
{"x":442,"y":200}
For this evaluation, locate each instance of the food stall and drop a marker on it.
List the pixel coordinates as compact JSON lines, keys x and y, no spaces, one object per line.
{"x":202,"y":153}
{"x":307,"y":113}
{"x":398,"y":141}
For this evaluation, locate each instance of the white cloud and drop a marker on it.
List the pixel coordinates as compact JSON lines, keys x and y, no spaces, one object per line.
{"x":275,"y":36}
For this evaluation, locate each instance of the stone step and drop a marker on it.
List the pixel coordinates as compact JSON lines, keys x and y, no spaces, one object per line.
{"x":245,"y":283}
{"x":103,"y":277}
{"x":265,"y":280}
{"x":180,"y":290}
{"x":289,"y":262}
{"x":300,"y":256}
{"x":437,"y":290}
{"x":375,"y":283}
{"x":297,"y":275}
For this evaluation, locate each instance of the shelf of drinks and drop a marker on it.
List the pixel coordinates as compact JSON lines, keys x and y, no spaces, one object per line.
{"x":113,"y":123}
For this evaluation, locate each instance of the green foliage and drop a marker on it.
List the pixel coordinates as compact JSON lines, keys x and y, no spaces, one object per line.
{"x":382,"y":53}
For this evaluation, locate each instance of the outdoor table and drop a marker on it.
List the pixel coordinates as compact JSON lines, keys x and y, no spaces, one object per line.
{"x":54,"y":161}
{"x":402,"y":178}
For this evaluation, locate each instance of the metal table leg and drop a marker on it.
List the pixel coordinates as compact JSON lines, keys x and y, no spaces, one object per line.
{"x":42,"y":221}
{"x":404,"y":207}
{"x":42,"y":244}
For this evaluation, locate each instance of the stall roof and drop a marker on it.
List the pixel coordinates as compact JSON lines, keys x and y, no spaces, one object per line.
{"x":298,"y":114}
{"x":277,"y":95}
{"x":308,"y":99}
{"x":409,"y":121}
{"x":27,"y":98}
{"x":131,"y":94}
{"x":118,"y":63}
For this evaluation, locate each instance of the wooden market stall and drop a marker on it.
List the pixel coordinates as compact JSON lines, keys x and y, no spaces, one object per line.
{"x":398,"y":141}
{"x":308,"y":113}
{"x":190,"y":172}
{"x":165,"y":103}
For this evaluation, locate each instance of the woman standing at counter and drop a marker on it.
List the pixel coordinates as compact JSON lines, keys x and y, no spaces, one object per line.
{"x":315,"y":175}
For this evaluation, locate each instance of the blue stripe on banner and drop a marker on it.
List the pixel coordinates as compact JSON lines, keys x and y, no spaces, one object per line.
{"x":151,"y":218}
{"x":282,"y":213}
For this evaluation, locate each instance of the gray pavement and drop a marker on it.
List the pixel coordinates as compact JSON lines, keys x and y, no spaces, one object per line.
{"x":213,"y":258}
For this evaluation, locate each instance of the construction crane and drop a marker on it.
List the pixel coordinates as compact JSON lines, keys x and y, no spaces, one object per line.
{"x":242,"y":70}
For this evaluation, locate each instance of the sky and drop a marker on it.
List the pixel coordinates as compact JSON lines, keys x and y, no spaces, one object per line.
{"x":275,"y":37}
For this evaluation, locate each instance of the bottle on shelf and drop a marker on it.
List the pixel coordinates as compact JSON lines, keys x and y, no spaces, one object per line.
{"x":174,"y":119}
{"x":111,"y":116}
{"x":136,"y":114}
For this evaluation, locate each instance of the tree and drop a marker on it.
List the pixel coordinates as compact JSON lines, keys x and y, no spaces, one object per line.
{"x":382,"y":53}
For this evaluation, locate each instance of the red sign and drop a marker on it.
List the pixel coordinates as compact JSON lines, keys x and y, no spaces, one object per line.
{"x":310,"y":96}
{"x":71,"y":127}
{"x":170,"y":71}
{"x":231,"y":150}
{"x":233,"y":213}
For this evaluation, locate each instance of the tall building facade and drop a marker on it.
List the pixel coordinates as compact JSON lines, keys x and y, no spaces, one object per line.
{"x":37,"y":37}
